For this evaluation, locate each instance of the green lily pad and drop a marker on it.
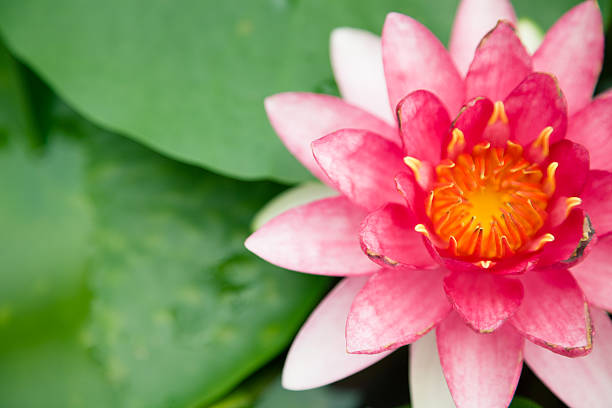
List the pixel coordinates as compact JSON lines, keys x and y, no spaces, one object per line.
{"x":124,"y":278}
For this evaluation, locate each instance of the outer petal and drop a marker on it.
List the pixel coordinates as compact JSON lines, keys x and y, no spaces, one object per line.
{"x":356,"y":58}
{"x":584,"y":382}
{"x":414,"y":58}
{"x":554,"y":313}
{"x":428,"y":386}
{"x":482,"y":370}
{"x":424,"y":123}
{"x":361,"y":165}
{"x":300,"y":118}
{"x":389,"y":239}
{"x":501,"y":62}
{"x":594,"y":274}
{"x":482,"y":299}
{"x":318,"y":354}
{"x":591,"y":127}
{"x":474,"y":19}
{"x":597,"y":200}
{"x":321,"y":238}
{"x":573,"y":51}
{"x":394,"y":308}
{"x":534,"y":104}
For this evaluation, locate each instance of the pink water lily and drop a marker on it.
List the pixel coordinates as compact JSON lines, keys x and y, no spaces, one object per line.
{"x":464,"y":178}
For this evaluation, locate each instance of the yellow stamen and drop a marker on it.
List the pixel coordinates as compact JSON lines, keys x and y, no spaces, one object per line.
{"x":540,"y":242}
{"x":541,"y":146}
{"x":457,"y":143}
{"x":429,"y":203}
{"x":480,"y":148}
{"x":422,"y":229}
{"x":499,"y":113}
{"x":550,"y":185}
{"x":487,"y":205}
{"x":514,"y":149}
{"x":486,"y":264}
{"x":415,"y":166}
{"x":570,"y":203}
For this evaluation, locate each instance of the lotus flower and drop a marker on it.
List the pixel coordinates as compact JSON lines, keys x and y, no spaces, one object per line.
{"x":464,"y":177}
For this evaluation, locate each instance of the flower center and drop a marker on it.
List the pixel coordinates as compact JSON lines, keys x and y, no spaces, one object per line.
{"x":489,"y":203}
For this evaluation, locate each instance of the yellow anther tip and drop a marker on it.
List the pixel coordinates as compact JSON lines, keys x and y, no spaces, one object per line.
{"x":542,"y":143}
{"x":414,"y":164}
{"x":481,"y":147}
{"x":547,"y":238}
{"x":571,"y":202}
{"x":499,"y":113}
{"x":540,"y":242}
{"x":546,"y":132}
{"x":457,"y":143}
{"x":486,"y":264}
{"x":550,"y":184}
{"x":422,"y":229}
{"x":516,"y":148}
{"x":458,"y":134}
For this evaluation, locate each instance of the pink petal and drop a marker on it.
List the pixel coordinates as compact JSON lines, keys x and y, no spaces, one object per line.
{"x":389,"y":239}
{"x":361,"y":165}
{"x":573,"y":51}
{"x":395,"y":308}
{"x":501,"y":62}
{"x":473,"y":120}
{"x":474,"y":19}
{"x":584,"y":382}
{"x":567,"y":238}
{"x":482,"y":299}
{"x":321,"y":237}
{"x":300,"y":118}
{"x":591,"y":127}
{"x":428,"y":386}
{"x":594,"y":274}
{"x":414,"y":58}
{"x":554,"y":313}
{"x":318,"y":354}
{"x":573,"y":170}
{"x":597,"y":200}
{"x":482,"y":370}
{"x":534,"y":104}
{"x":357,"y":55}
{"x":413,"y":192}
{"x":408,"y":187}
{"x":424,"y":123}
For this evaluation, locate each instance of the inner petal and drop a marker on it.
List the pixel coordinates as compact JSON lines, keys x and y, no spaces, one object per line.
{"x":489,"y":203}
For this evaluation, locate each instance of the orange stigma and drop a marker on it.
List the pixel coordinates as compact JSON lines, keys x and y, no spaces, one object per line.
{"x":489,"y":204}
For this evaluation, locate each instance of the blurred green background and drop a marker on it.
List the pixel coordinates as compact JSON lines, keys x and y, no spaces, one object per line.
{"x":134,"y":153}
